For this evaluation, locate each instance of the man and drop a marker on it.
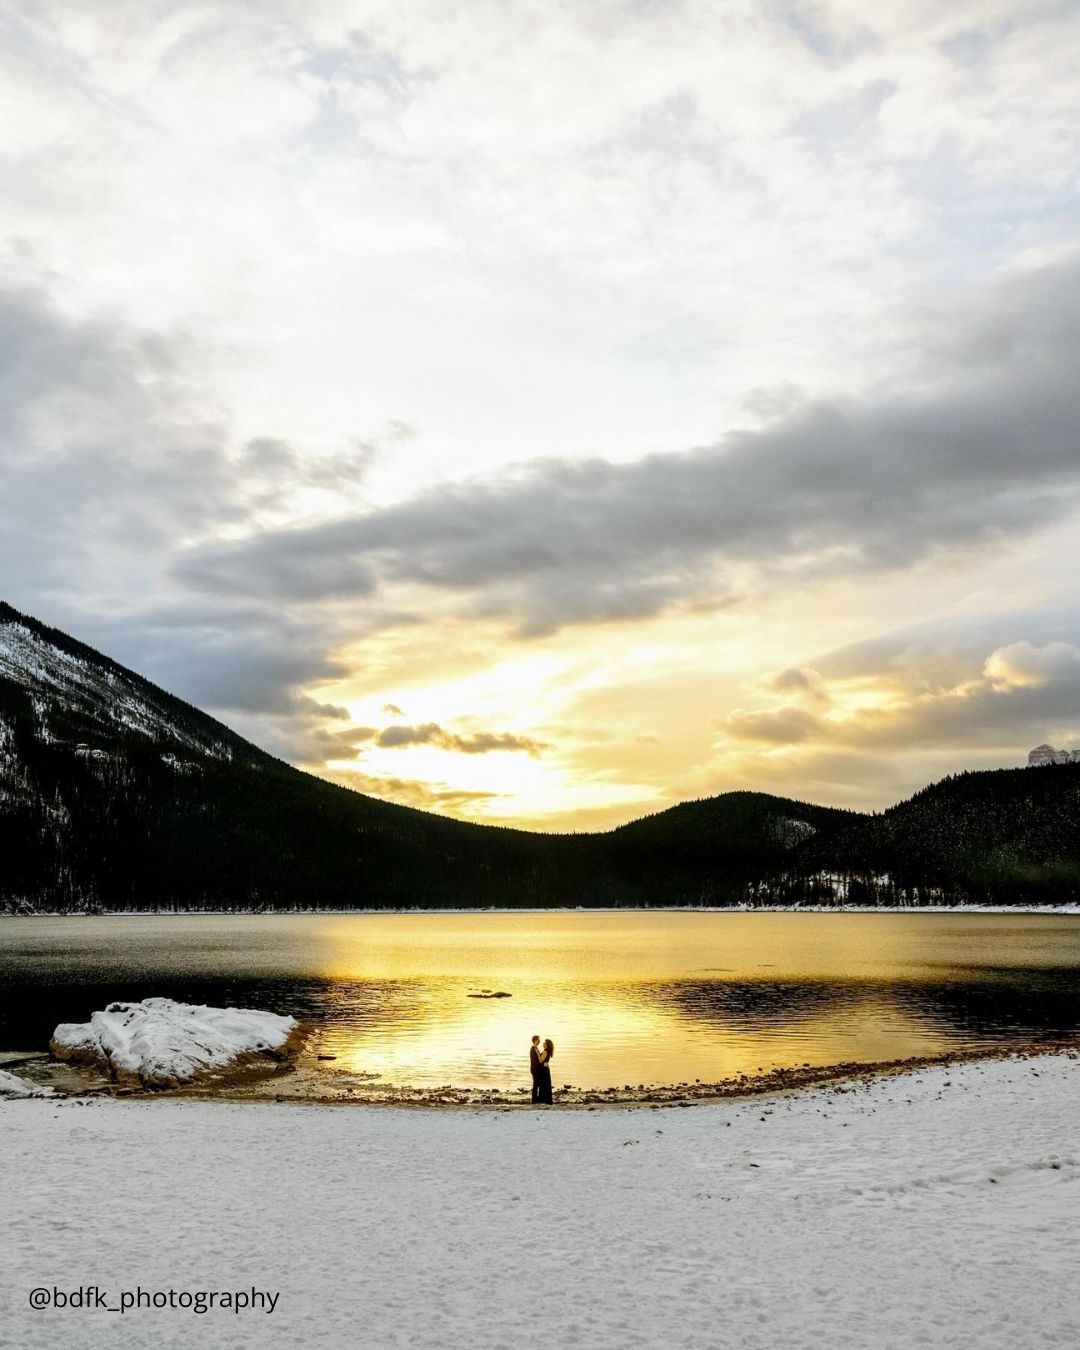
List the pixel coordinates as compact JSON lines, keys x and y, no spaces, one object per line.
{"x":534,"y":1067}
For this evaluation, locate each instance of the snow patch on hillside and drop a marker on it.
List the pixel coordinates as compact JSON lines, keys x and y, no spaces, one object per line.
{"x":56,"y":680}
{"x":179,"y":765}
{"x":788,"y":831}
{"x":13,"y":781}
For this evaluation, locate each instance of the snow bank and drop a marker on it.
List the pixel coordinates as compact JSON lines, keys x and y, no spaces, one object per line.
{"x":11,"y":1085}
{"x":159,"y":1043}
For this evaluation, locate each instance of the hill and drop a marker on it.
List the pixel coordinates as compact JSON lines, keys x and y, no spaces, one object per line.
{"x":1003,"y":836}
{"x":115,"y":794}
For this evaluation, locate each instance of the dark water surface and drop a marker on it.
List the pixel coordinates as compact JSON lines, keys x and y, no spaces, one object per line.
{"x":641,"y":997}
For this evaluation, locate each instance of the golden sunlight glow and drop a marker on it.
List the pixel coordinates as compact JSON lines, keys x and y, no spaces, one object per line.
{"x":637,"y":998}
{"x":628,"y":1042}
{"x":633,"y":717}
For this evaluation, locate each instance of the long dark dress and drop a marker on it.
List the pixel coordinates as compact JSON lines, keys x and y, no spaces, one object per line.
{"x":543,"y":1084}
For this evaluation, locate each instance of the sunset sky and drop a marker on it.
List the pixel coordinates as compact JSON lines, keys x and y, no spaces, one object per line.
{"x":546,"y":412}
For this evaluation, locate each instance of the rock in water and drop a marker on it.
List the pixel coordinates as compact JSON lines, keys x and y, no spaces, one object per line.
{"x":159,"y":1043}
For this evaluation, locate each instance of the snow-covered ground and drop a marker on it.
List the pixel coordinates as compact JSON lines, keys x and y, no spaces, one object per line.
{"x":160,"y":1043}
{"x":931,"y":1209}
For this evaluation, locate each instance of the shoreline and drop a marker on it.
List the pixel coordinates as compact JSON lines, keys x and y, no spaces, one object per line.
{"x":271,"y":1086}
{"x":1068,"y":908}
{"x":646,"y":1097}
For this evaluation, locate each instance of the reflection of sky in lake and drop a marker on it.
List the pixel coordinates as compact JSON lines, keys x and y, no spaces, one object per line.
{"x":627,"y":998}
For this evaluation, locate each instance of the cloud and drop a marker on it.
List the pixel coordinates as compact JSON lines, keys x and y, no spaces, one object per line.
{"x":271,"y":470}
{"x":939,"y":653}
{"x":777,"y":726}
{"x":909,"y":708}
{"x":425,"y":796}
{"x":1023,"y":666}
{"x":430,"y":733}
{"x":230,"y":662}
{"x":1018,"y":695}
{"x":984,"y":450}
{"x":800,"y":680}
{"x":106,"y":456}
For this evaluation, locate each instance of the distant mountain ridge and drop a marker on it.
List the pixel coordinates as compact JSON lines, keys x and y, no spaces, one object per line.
{"x":116,"y":794}
{"x":1047,"y":754}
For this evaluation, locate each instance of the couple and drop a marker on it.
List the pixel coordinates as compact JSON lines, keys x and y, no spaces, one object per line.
{"x":540,"y":1066}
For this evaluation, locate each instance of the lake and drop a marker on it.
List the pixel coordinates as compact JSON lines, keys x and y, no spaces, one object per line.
{"x":628,"y":998}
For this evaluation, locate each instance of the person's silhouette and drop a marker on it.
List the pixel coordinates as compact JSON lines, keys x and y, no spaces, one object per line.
{"x":544,"y":1076}
{"x":535,"y":1067}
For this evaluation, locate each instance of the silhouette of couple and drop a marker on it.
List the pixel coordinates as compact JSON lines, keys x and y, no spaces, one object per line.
{"x":540,"y":1065}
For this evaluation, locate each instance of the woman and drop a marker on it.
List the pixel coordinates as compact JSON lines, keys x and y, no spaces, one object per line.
{"x":543,"y":1077}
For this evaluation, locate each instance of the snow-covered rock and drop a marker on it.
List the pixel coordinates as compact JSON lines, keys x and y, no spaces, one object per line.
{"x":160,"y":1043}
{"x":11,"y":1085}
{"x":1046,"y":754}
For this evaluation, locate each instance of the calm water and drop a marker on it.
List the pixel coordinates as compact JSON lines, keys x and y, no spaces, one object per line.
{"x":628,"y":998}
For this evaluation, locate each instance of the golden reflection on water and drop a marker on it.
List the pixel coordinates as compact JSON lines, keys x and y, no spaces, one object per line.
{"x":642,"y":997}
{"x":604,"y":1041}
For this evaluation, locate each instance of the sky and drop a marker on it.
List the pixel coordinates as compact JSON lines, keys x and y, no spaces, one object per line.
{"x":542,"y":413}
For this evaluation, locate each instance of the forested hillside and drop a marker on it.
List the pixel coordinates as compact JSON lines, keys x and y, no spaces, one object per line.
{"x":1010,"y":835}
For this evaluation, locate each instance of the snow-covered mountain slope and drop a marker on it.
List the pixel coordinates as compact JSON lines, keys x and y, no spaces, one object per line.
{"x":81,"y":699}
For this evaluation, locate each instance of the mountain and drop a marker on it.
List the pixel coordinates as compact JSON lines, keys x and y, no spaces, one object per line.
{"x":115,"y":794}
